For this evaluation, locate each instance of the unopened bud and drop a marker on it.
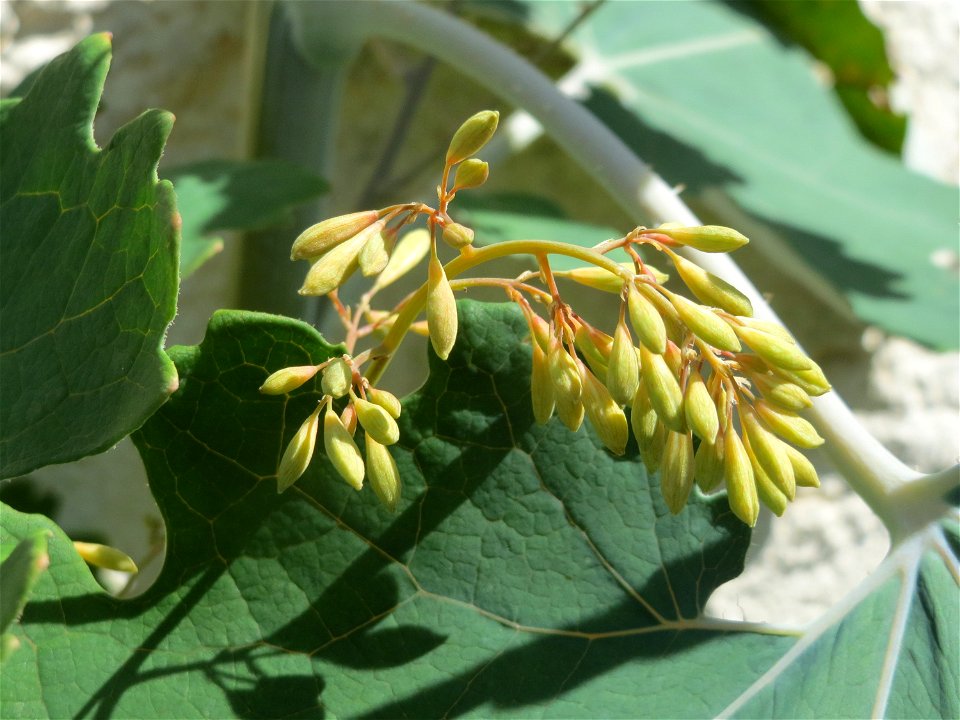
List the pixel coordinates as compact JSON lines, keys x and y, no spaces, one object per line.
{"x":605,"y":415}
{"x":376,"y":421}
{"x":706,"y":324}
{"x":767,"y":326}
{"x":663,"y":389}
{"x":644,"y":422}
{"x":387,"y":400}
{"x":297,"y":455}
{"x":411,"y":249}
{"x":768,"y":492}
{"x":471,"y":173}
{"x":782,"y":393}
{"x":441,"y":310}
{"x":710,"y":289}
{"x":337,"y":378}
{"x":457,"y":236}
{"x":699,"y":410}
{"x":768,"y":452}
{"x":104,"y":556}
{"x":706,"y":238}
{"x":789,"y":426}
{"x":708,"y":466}
{"x":738,"y":475}
{"x":595,"y":347}
{"x":383,"y":473}
{"x":333,"y":268}
{"x":322,"y":237}
{"x":676,"y":470}
{"x":475,"y":132}
{"x":541,"y":388}
{"x":374,"y":255}
{"x":803,"y":471}
{"x":646,"y":321}
{"x":774,"y":349}
{"x":811,"y":379}
{"x":595,"y":277}
{"x":342,"y":450}
{"x":287,"y":379}
{"x":567,"y":385}
{"x":539,"y":331}
{"x":623,"y":368}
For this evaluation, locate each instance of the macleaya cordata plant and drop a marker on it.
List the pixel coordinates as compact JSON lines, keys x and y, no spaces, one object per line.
{"x":714,"y":394}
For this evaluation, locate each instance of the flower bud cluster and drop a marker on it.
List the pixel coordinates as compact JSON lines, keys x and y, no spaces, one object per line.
{"x":376,"y":411}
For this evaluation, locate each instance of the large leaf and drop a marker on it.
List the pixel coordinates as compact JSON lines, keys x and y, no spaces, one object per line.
{"x":218,"y":195}
{"x":711,"y":99}
{"x":88,"y":279}
{"x":527,"y":570}
{"x":21,"y":566}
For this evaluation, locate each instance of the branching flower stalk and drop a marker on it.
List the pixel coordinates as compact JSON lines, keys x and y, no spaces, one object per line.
{"x":714,"y":393}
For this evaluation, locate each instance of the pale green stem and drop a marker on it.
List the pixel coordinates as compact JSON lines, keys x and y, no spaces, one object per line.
{"x":871,"y":470}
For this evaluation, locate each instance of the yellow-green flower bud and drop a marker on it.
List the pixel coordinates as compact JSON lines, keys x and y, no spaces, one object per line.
{"x":297,"y":455}
{"x":334,"y":267}
{"x":706,"y":238}
{"x":387,"y":400}
{"x":288,"y":379}
{"x":663,"y":389}
{"x":768,"y":452}
{"x":710,"y":289}
{"x":383,"y":474}
{"x":623,"y":368}
{"x":374,"y":255}
{"x":595,"y":277}
{"x":322,"y":237}
{"x":675,"y":328}
{"x":652,"y":452}
{"x":774,"y":349}
{"x":708,"y":466}
{"x":104,"y":556}
{"x":457,"y":236}
{"x":471,"y":173}
{"x":337,"y":378}
{"x":782,"y":393}
{"x":767,"y":326}
{"x":606,"y":416}
{"x":706,"y":324}
{"x":812,"y":379}
{"x":738,"y":475}
{"x":342,"y":450}
{"x":441,"y":310}
{"x":646,"y":321}
{"x":541,"y":387}
{"x":595,"y":347}
{"x":676,"y":470}
{"x":643,"y":419}
{"x":768,"y":492}
{"x":411,"y":249}
{"x":803,"y":471}
{"x":376,"y":421}
{"x":567,"y":385}
{"x":789,"y":426}
{"x":699,"y":410}
{"x":475,"y":132}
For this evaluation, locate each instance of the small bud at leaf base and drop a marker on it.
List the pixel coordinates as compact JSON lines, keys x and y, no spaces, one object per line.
{"x":699,"y":409}
{"x":383,"y":474}
{"x":646,"y":321}
{"x":775,"y":350}
{"x":710,"y":289}
{"x":768,"y":453}
{"x":333,"y":268}
{"x":789,"y":426}
{"x":104,"y":556}
{"x":337,"y":378}
{"x":606,"y":416}
{"x":387,"y":400}
{"x":706,"y":324}
{"x":708,"y":466}
{"x":297,"y":455}
{"x":318,"y":239}
{"x":676,"y":470}
{"x":373,"y":256}
{"x":593,"y":351}
{"x":411,"y":249}
{"x":376,"y":421}
{"x":471,"y":173}
{"x":441,"y":310}
{"x":288,"y":379}
{"x":803,"y":470}
{"x":541,"y":387}
{"x":457,"y":236}
{"x":781,"y":393}
{"x":475,"y":132}
{"x":663,"y":389}
{"x":342,"y":450}
{"x":706,"y":238}
{"x":623,"y":368}
{"x":567,"y":385}
{"x":738,"y":475}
